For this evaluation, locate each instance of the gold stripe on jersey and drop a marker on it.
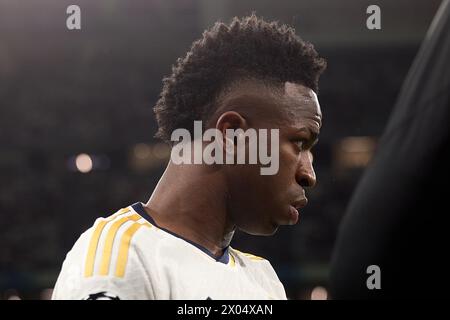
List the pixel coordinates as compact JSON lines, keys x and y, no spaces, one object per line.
{"x":232,"y":260}
{"x":249,"y":255}
{"x":93,"y":244}
{"x":122,"y":257}
{"x":107,"y":249}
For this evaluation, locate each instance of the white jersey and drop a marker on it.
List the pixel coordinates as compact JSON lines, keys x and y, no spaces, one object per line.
{"x":127,"y":256}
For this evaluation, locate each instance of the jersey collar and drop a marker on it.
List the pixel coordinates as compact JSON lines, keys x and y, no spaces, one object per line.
{"x":139,"y":208}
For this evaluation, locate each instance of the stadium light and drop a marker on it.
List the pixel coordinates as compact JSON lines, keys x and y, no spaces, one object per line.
{"x":83,"y":162}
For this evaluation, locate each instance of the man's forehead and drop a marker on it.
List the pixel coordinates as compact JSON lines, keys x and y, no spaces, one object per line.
{"x":299,"y":91}
{"x":299,"y":94}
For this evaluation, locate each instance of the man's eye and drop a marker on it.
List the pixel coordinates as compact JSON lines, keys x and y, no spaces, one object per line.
{"x":300,"y":144}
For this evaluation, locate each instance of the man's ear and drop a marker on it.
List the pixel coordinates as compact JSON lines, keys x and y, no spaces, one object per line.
{"x":230,"y":120}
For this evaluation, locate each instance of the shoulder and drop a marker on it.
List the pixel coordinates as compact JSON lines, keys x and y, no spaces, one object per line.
{"x":259,"y":264}
{"x":105,"y":260}
{"x":107,"y":245}
{"x":262,"y":269}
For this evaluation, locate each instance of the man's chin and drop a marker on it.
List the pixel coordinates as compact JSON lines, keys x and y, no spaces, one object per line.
{"x":267,"y":230}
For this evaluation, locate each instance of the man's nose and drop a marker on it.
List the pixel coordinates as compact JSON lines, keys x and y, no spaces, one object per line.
{"x":306,"y":177}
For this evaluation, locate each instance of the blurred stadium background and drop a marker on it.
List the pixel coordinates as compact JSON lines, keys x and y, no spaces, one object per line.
{"x":76,"y":121}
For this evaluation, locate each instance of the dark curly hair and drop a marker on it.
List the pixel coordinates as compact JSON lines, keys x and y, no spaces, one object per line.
{"x":247,"y":47}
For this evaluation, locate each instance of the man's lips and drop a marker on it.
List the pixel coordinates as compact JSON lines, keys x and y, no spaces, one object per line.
{"x":294,"y":209}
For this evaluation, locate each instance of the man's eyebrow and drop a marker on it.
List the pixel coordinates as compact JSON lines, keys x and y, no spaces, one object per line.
{"x":313,"y":132}
{"x":314,"y":135}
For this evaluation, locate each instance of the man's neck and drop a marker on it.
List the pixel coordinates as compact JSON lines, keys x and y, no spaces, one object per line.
{"x":190,"y":200}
